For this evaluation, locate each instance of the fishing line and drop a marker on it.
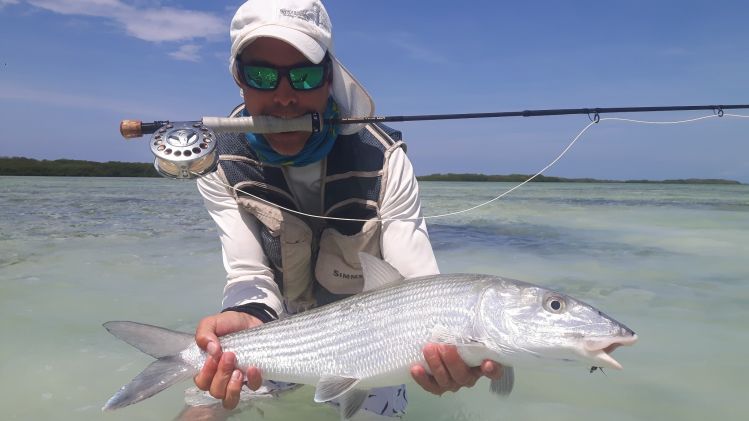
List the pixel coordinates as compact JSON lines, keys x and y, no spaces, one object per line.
{"x":595,"y":120}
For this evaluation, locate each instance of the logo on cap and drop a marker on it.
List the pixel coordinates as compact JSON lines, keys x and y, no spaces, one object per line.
{"x":313,"y":16}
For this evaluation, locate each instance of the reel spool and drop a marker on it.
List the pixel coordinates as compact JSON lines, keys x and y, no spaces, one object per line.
{"x":184,"y":149}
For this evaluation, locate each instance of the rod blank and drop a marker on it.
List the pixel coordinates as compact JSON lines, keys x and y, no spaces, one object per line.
{"x":311,"y":122}
{"x":537,"y":113}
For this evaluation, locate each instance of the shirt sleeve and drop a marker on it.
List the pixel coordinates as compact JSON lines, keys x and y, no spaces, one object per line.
{"x":249,"y":277}
{"x":405,"y":244}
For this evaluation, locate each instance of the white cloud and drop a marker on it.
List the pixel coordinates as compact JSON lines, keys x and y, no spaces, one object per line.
{"x":77,"y":100}
{"x":102,"y":8}
{"x":187,"y":52}
{"x":169,"y":24}
{"x":4,"y":3}
{"x":408,"y":43}
{"x":418,"y":52}
{"x":153,"y":24}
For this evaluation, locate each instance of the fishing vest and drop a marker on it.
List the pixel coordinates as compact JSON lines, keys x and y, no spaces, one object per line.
{"x":306,"y":253}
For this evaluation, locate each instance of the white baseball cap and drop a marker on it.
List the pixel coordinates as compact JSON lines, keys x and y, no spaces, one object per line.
{"x":305,"y":25}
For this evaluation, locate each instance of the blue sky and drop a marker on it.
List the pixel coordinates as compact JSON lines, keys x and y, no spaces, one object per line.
{"x":71,"y":70}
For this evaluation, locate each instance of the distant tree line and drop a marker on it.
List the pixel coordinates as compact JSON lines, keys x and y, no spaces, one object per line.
{"x":542,"y":178}
{"x":74,"y":168}
{"x":484,"y":177}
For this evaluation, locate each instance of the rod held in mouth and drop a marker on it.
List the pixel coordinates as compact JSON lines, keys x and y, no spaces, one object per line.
{"x":262,"y":124}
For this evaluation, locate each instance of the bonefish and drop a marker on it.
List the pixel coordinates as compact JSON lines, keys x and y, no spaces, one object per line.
{"x":373,"y":338}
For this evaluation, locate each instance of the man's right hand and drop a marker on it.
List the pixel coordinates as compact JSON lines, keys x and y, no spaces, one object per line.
{"x":219,"y":374}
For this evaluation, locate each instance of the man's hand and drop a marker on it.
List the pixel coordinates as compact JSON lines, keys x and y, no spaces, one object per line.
{"x":219,"y":374}
{"x":449,"y":372}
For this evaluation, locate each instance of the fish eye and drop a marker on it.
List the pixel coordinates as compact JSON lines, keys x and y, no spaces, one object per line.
{"x":554,"y":303}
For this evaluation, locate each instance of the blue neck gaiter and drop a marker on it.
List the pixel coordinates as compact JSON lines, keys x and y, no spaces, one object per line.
{"x":317,"y":147}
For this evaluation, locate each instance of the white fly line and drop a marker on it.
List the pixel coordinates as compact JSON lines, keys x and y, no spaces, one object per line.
{"x":501,"y":195}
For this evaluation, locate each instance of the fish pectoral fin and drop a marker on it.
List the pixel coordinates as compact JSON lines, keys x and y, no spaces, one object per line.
{"x":331,"y":387}
{"x":442,"y":335}
{"x":503,"y":385}
{"x":377,"y":272}
{"x":352,"y":401}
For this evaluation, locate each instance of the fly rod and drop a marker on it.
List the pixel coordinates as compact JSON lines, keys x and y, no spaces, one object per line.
{"x":538,"y":113}
{"x":312,"y":122}
{"x":184,"y":149}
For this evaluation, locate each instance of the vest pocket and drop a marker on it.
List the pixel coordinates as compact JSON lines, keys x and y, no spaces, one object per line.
{"x":338,"y":268}
{"x":296,"y":256}
{"x":287,"y":242}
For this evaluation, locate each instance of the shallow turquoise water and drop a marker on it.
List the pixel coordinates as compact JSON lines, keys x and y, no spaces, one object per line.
{"x":670,"y":261}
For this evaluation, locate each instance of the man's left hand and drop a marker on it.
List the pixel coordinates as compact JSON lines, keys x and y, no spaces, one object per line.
{"x":449,"y":372}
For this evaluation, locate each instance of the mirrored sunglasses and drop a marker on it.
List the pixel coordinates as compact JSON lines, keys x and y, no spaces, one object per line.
{"x":266,"y":78}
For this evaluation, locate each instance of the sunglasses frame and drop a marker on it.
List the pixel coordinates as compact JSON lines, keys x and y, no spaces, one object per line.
{"x":284,"y":71}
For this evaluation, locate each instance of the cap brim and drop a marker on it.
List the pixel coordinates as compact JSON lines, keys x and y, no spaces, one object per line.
{"x":313,"y":50}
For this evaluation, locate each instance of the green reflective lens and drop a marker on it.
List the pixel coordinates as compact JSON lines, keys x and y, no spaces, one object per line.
{"x":304,"y":78}
{"x":265,"y":78}
{"x":258,"y":77}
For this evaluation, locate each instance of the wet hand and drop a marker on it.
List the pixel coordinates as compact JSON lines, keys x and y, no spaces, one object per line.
{"x":219,"y":374}
{"x":449,"y":372}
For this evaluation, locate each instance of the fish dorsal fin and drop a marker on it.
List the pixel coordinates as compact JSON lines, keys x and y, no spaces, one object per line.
{"x":331,"y":387}
{"x":377,"y":272}
{"x":351,"y":402}
{"x":503,"y":385}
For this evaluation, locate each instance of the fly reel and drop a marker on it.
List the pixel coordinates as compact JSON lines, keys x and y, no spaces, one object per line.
{"x":187,"y":149}
{"x":184,"y":150}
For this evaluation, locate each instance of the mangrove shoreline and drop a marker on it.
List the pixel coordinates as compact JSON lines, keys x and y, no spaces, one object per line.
{"x":18,"y":166}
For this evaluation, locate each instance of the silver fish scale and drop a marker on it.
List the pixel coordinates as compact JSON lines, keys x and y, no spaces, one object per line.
{"x":369,"y":334}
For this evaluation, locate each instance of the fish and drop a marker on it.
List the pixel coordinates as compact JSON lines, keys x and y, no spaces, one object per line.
{"x":372,"y":339}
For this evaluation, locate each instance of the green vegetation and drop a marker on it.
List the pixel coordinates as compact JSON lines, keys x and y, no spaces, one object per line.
{"x":688,"y":181}
{"x":484,"y":177}
{"x":542,"y":178}
{"x":74,"y":168}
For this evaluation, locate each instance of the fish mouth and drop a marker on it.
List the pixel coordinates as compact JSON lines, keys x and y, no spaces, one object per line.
{"x":599,"y":350}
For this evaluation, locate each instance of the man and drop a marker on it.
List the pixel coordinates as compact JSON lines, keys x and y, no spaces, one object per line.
{"x":279,"y":261}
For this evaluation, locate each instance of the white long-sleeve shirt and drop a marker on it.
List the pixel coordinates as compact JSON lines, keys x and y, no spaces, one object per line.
{"x":405,"y":244}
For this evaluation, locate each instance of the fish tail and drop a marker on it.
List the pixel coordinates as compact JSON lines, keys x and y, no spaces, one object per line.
{"x":168,"y":369}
